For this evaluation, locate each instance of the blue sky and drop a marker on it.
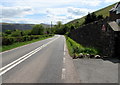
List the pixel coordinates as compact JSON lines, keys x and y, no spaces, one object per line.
{"x":45,"y":11}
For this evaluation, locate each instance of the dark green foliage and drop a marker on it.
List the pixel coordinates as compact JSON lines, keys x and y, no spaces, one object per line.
{"x":17,"y":33}
{"x":89,"y":51}
{"x":37,"y":30}
{"x":27,"y":40}
{"x":75,"y":48}
{"x":27,"y":32}
{"x":63,"y":29}
{"x":7,"y":40}
{"x":92,"y":17}
{"x":100,"y":17}
{"x":13,"y":36}
{"x":72,"y":27}
{"x":11,"y":40}
{"x":8,"y":31}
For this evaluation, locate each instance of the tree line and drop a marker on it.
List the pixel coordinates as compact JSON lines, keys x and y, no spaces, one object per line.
{"x":10,"y":36}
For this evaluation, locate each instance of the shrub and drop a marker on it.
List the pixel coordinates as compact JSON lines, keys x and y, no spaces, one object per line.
{"x":75,"y":48}
{"x":89,"y":51}
{"x":7,"y":40}
{"x":16,"y":33}
{"x":11,"y":40}
{"x":38,"y":30}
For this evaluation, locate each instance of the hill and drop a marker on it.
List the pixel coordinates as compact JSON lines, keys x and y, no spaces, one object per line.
{"x":103,"y":11}
{"x":12,"y":26}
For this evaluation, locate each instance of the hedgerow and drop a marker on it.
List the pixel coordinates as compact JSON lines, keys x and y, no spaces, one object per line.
{"x":10,"y":40}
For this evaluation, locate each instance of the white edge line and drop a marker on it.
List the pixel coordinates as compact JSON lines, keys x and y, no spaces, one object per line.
{"x":64,"y":46}
{"x":24,"y":58}
{"x":63,"y":73}
{"x":64,"y":60}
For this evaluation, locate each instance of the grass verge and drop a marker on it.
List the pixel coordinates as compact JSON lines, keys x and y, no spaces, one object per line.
{"x":75,"y":49}
{"x":17,"y":44}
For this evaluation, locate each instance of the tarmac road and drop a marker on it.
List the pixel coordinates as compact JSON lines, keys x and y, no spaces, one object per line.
{"x":39,"y":62}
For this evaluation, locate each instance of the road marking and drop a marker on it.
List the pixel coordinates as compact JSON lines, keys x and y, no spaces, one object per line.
{"x":63,"y":69}
{"x":6,"y":68}
{"x":64,"y":47}
{"x":64,"y":59}
{"x":63,"y":73}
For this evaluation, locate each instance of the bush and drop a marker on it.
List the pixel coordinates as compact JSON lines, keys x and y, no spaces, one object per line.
{"x":38,"y":30}
{"x":17,"y":33}
{"x":75,"y":48}
{"x":11,"y":40}
{"x":7,"y":40}
{"x":92,"y":17}
{"x":89,"y":51}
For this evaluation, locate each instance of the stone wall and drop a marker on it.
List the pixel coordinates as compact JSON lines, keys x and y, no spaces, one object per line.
{"x":92,"y":35}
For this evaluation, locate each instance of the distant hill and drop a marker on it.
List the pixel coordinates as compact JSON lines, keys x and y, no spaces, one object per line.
{"x":103,"y":11}
{"x":12,"y":26}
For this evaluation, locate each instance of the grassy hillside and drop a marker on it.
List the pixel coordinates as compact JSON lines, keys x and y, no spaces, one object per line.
{"x":103,"y":11}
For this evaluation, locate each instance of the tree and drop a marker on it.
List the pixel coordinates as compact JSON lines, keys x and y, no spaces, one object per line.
{"x":100,"y":17}
{"x":37,"y":30}
{"x":59,"y":24}
{"x":17,"y":33}
{"x":27,"y":32}
{"x":8,"y":31}
{"x":88,"y":18}
{"x":92,"y":17}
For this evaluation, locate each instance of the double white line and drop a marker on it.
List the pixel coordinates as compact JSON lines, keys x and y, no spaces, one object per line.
{"x":11,"y":65}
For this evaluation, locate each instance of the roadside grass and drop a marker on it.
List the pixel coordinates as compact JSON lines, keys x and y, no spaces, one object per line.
{"x":75,"y":48}
{"x":18,"y":44}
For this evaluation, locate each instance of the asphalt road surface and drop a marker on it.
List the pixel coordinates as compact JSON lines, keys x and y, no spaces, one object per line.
{"x":97,"y":70}
{"x":48,"y":61}
{"x":40,"y":62}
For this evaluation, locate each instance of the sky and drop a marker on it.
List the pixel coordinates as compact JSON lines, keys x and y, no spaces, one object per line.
{"x":47,"y":11}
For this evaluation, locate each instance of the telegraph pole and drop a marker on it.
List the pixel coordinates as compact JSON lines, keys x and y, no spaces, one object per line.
{"x":51,"y":24}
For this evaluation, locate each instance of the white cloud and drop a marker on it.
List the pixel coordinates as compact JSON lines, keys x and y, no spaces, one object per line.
{"x":111,"y":1}
{"x":8,"y":12}
{"x":51,"y":3}
{"x":79,"y":11}
{"x":52,"y":14}
{"x":65,"y":14}
{"x":54,"y":10}
{"x":87,"y":2}
{"x":21,"y":20}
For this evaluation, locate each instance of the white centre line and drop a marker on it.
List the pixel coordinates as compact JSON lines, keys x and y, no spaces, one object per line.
{"x":11,"y":65}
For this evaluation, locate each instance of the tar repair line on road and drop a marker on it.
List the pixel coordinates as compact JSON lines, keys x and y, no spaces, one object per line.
{"x":23,"y":58}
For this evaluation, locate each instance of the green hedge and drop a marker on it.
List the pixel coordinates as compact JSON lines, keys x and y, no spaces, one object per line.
{"x":11,"y":40}
{"x":75,"y":48}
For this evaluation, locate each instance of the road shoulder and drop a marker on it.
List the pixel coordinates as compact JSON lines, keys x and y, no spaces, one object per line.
{"x":71,"y":73}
